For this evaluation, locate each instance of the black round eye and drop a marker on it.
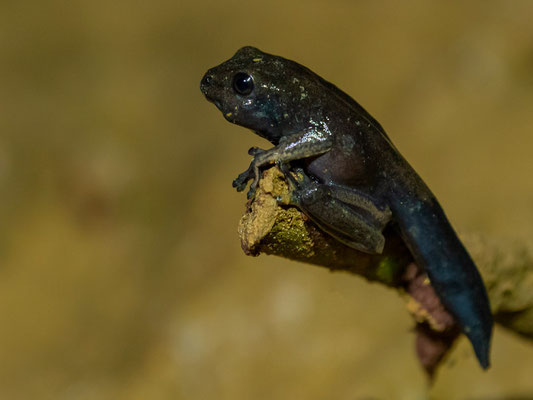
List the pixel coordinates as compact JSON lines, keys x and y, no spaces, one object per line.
{"x":243,"y":83}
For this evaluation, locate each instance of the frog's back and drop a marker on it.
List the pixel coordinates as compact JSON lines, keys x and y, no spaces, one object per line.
{"x":354,"y":105}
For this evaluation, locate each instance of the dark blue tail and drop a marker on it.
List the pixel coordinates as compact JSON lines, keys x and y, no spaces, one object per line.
{"x":454,"y":276}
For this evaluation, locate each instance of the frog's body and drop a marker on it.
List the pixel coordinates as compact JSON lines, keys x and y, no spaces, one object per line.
{"x":351,"y":179}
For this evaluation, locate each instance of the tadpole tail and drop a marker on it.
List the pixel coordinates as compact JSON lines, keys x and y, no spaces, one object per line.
{"x":454,"y":276}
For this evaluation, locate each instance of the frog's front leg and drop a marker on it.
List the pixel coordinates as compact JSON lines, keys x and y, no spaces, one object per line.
{"x":305,"y":144}
{"x":349,"y":215}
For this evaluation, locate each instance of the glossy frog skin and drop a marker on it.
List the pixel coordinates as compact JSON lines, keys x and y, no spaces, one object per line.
{"x":346,"y":174}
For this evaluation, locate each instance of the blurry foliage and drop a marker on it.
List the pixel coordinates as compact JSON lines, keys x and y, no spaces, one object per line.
{"x":121,"y":275}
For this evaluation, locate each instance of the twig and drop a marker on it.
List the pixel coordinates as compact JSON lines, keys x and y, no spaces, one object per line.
{"x":269,"y":227}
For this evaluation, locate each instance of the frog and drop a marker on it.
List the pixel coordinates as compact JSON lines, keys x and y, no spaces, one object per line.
{"x":346,"y":175}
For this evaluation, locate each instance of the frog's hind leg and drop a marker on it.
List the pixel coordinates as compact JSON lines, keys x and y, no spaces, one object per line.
{"x":348,"y":215}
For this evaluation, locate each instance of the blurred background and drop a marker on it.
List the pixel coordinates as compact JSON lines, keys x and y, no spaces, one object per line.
{"x":121,"y":273}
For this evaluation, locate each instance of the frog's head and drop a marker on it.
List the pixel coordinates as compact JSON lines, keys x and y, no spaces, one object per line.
{"x":265,"y":93}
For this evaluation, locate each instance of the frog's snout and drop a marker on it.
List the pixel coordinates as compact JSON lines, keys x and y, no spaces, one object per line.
{"x":208,"y":88}
{"x":206,"y":83}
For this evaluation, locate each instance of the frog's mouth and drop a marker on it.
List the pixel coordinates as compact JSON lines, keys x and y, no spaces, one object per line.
{"x":217,"y":103}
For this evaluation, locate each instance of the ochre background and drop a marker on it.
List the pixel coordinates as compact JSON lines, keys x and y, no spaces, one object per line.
{"x":121,"y":274}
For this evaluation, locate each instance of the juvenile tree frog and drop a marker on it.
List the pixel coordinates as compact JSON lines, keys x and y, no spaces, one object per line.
{"x":346,"y":174}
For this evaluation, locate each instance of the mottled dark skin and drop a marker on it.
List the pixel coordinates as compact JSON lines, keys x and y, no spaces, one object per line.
{"x":346,"y":174}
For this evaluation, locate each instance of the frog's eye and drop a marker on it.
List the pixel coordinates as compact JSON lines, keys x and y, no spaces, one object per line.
{"x":243,"y":83}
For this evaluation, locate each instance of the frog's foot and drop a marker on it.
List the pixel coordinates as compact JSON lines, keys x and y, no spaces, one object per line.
{"x":294,"y":177}
{"x":252,"y":173}
{"x":285,"y":168}
{"x":242,"y":180}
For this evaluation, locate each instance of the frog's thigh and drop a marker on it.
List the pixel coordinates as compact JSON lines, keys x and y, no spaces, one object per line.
{"x":376,"y":213}
{"x":351,"y":225}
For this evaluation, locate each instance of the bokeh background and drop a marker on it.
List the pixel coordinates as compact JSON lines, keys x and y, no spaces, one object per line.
{"x":121,"y":273}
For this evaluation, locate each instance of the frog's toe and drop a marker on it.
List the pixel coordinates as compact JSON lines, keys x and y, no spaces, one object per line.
{"x":251,"y":192}
{"x":242,"y":180}
{"x":239,"y":186}
{"x":254,"y":151}
{"x":240,"y":183}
